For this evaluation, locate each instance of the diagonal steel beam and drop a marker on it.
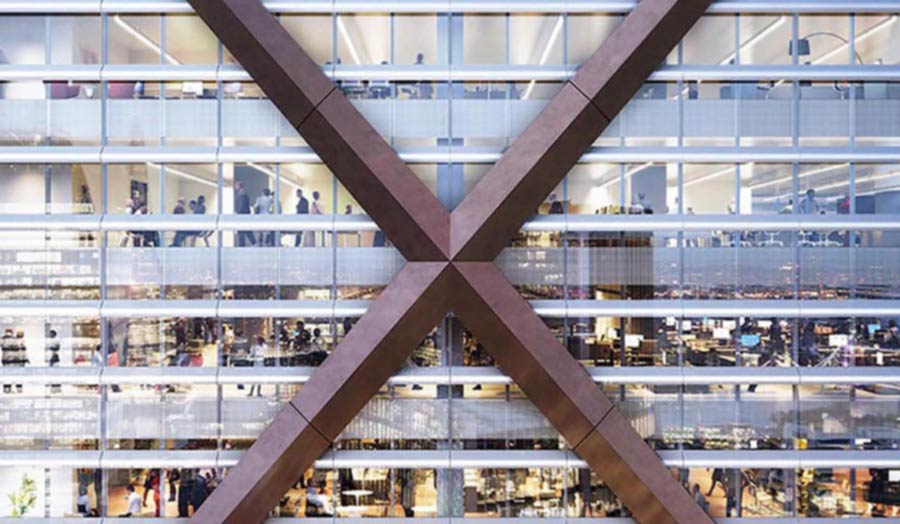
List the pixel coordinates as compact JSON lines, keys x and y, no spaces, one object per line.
{"x":424,"y":232}
{"x":376,"y":348}
{"x":561,"y":388}
{"x":511,"y":191}
{"x":402,"y":206}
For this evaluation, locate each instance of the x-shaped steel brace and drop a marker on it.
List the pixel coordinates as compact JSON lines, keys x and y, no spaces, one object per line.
{"x":450,"y":262}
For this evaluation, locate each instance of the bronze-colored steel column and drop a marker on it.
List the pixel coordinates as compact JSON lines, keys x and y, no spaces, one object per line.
{"x":376,"y":347}
{"x":428,"y":235}
{"x":537,"y":161}
{"x":402,"y":206}
{"x":560,"y":387}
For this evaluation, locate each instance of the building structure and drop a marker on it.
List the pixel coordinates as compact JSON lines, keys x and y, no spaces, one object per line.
{"x":740,"y":322}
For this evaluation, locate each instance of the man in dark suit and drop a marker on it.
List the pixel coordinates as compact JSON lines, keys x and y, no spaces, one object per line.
{"x":302,"y":209}
{"x":242,"y":207}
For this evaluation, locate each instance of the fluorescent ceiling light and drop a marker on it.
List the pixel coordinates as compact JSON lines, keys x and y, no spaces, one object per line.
{"x":627,"y":175}
{"x":755,"y":39}
{"x":345,"y":35}
{"x":142,"y":38}
{"x":710,"y":176}
{"x":272,"y":174}
{"x":870,"y":178}
{"x":842,"y":183}
{"x":554,"y":36}
{"x":844,"y":46}
{"x":183,"y":174}
{"x":859,"y":38}
{"x":817,"y":171}
{"x":752,"y":41}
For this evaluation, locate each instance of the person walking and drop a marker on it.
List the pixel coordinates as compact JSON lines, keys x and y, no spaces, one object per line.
{"x":258,"y":357}
{"x":302,"y":209}
{"x":152,"y":484}
{"x":263,"y":206}
{"x":199,"y":491}
{"x":178,"y":241}
{"x":718,"y":476}
{"x":185,"y":488}
{"x":200,"y":209}
{"x":242,"y":207}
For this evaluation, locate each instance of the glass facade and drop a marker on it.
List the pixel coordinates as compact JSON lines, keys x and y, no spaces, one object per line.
{"x":724,"y":261}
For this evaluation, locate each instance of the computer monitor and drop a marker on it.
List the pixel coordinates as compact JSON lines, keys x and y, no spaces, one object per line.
{"x":764,"y":324}
{"x":721,"y":334}
{"x":633,"y":341}
{"x":729,"y":324}
{"x":686,"y":326}
{"x":749,"y":341}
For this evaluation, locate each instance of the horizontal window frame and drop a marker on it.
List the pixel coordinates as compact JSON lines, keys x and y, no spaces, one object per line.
{"x":458,"y":459}
{"x":455,"y":6}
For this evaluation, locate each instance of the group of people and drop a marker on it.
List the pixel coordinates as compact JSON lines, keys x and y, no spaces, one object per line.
{"x":189,"y":487}
{"x":307,"y":347}
{"x":189,"y":238}
{"x":265,"y":204}
{"x":137,"y":205}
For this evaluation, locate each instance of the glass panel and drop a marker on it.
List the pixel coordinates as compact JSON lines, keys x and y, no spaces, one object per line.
{"x":365,"y":39}
{"x":766,"y":189}
{"x":710,"y":42}
{"x":23,"y":39}
{"x":876,"y":102}
{"x":765,"y":112}
{"x":824,"y":39}
{"x":74,"y":40}
{"x":874,"y":34}
{"x":135,"y":39}
{"x":709,"y":189}
{"x":824,"y":113}
{"x":765,"y":39}
{"x":415,"y":35}
{"x":484,"y":39}
{"x":190,"y":41}
{"x":536,"y":39}
{"x":594,"y":189}
{"x":585,"y":33}
{"x":314,"y":33}
{"x":709,"y":113}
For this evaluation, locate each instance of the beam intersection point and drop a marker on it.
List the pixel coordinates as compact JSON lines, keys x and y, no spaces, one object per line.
{"x":450,"y":261}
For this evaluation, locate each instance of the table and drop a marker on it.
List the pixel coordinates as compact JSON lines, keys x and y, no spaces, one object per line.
{"x":357,"y":493}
